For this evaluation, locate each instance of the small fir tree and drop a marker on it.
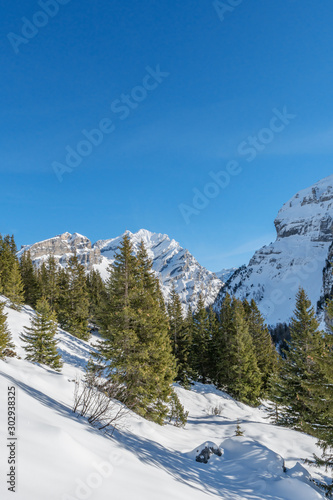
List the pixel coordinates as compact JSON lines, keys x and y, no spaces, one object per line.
{"x":14,"y":287}
{"x":30,"y":280}
{"x":6,"y":345}
{"x":41,"y":345}
{"x":180,"y":336}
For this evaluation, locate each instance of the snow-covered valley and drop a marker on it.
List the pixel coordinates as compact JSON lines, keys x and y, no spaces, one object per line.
{"x":61,"y":457}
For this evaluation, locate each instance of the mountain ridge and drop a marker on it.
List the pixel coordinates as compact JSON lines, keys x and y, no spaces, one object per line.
{"x":174,"y":264}
{"x":298,"y":257}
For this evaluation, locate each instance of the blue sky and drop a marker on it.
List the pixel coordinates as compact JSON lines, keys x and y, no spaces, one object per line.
{"x":179,"y":91}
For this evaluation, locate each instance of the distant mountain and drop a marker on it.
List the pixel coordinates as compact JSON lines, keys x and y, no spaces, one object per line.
{"x":174,"y":264}
{"x":225,"y":274}
{"x":300,"y":256}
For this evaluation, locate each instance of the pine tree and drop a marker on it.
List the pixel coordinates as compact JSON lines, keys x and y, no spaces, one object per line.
{"x":75,"y":311}
{"x":6,"y":344}
{"x":320,"y":388}
{"x":299,"y":370}
{"x":239,"y":432}
{"x":48,"y":281}
{"x":61,"y":305}
{"x":29,"y":279}
{"x":137,"y":344}
{"x":97,"y":296}
{"x":180,"y":336}
{"x":264,"y":349}
{"x":245,"y":380}
{"x":156,"y":364}
{"x":7,"y":260}
{"x":201,"y":346}
{"x":14,"y":287}
{"x":222,"y":376}
{"x":41,"y":345}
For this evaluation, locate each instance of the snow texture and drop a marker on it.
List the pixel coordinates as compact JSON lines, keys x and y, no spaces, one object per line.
{"x":61,"y":457}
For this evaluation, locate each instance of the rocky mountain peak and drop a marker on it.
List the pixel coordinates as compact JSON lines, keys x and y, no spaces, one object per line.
{"x":297,"y":258}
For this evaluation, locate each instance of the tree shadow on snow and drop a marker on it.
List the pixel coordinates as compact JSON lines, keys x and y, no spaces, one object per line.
{"x":204,"y":477}
{"x":45,"y":400}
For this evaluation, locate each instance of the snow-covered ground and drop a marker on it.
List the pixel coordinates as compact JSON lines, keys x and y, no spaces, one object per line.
{"x":61,"y":457}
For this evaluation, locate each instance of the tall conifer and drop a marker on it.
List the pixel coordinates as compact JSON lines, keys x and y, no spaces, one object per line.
{"x":6,"y":344}
{"x":39,"y":338}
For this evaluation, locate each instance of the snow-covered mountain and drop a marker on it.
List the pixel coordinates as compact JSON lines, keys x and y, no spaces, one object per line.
{"x":174,"y":264}
{"x":300,"y":256}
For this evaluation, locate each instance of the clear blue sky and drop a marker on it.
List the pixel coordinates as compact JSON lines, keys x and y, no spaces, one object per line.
{"x":225,"y":77}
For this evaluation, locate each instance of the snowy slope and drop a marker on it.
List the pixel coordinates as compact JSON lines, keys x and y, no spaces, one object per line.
{"x":304,"y":228}
{"x":174,"y":264}
{"x":61,"y":457}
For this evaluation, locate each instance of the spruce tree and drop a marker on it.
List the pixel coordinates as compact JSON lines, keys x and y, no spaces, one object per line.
{"x":6,"y":344}
{"x":7,"y":260}
{"x":30,"y":280}
{"x":75,"y":311}
{"x":222,"y":374}
{"x":264,"y":348}
{"x":245,"y":378}
{"x":299,"y":371}
{"x":180,"y":336}
{"x":156,"y":365}
{"x":14,"y":287}
{"x":320,"y":388}
{"x":41,"y":345}
{"x":201,"y":346}
{"x":62,"y":302}
{"x":48,"y":281}
{"x":97,"y":296}
{"x":137,"y":344}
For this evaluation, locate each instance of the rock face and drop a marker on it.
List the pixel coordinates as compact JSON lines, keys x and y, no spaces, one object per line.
{"x":173,"y":264}
{"x":62,"y":247}
{"x":300,"y":256}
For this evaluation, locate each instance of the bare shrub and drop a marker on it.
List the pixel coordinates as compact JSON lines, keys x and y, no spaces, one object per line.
{"x":99,"y":401}
{"x":214,"y":410}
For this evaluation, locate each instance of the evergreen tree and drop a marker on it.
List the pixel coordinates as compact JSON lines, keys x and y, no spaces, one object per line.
{"x":48,"y":282}
{"x":264,"y":349}
{"x":245,"y":379}
{"x":29,"y":279}
{"x":6,"y":344}
{"x":201,"y":346}
{"x":41,"y":345}
{"x":97,"y":296}
{"x":299,"y":371}
{"x":320,"y":389}
{"x":137,"y":344}
{"x":62,"y":302}
{"x":75,"y":312}
{"x":222,"y":374}
{"x":14,"y":287}
{"x":7,"y":260}
{"x":180,"y":336}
